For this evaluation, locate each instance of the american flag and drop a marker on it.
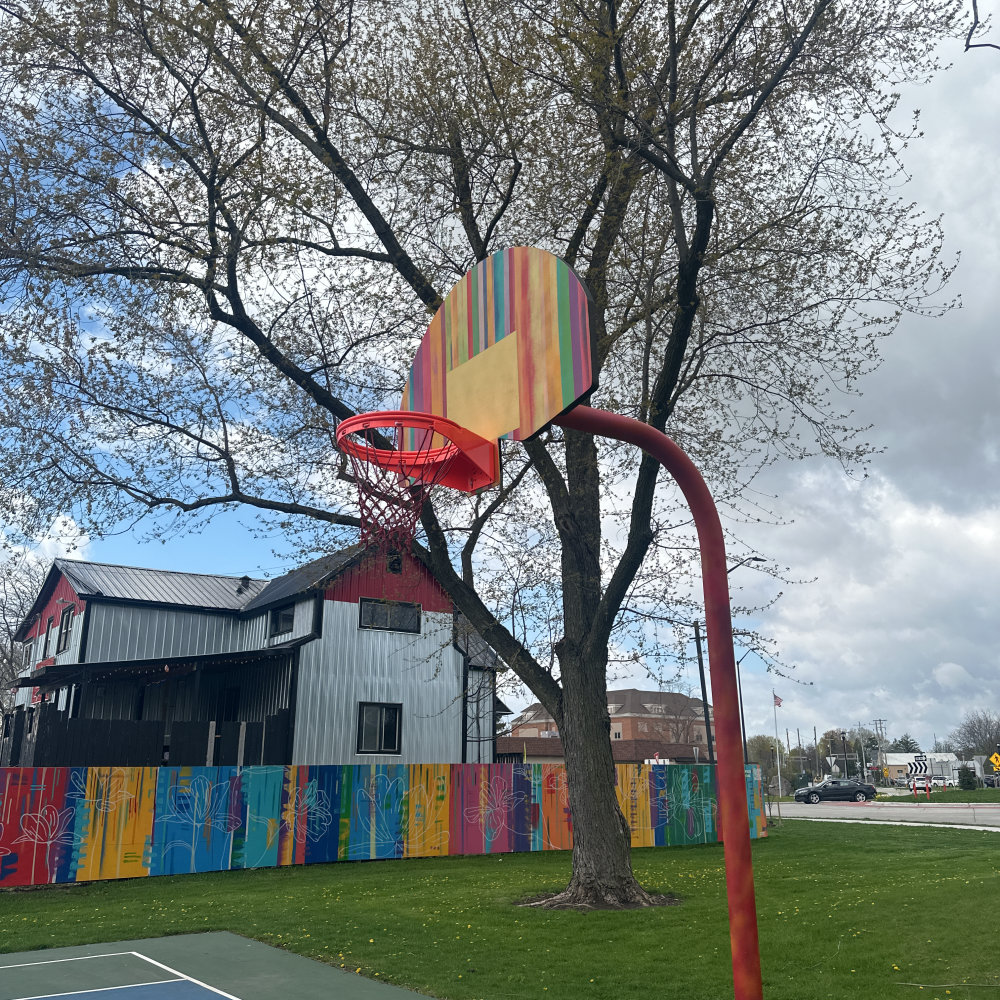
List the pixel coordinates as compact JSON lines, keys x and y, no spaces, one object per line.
{"x":777,"y":700}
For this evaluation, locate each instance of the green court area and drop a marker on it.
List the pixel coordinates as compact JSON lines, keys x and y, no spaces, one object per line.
{"x":844,"y":910}
{"x":182,"y":967}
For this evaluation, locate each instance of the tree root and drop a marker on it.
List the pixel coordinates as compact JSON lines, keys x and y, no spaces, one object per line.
{"x":574,"y":898}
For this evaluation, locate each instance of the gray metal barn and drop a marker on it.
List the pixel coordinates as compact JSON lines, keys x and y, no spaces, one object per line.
{"x":354,"y":658}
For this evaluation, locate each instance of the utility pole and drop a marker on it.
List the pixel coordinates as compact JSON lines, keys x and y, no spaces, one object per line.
{"x":704,"y":693}
{"x":879,"y":725}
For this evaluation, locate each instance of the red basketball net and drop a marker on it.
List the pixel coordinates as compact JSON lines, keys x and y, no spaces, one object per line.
{"x":394,"y":483}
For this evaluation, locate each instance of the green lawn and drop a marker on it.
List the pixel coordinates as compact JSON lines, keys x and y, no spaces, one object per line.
{"x":844,"y":910}
{"x":980,"y":796}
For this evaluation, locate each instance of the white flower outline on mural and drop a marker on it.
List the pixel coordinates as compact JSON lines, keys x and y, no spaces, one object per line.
{"x":309,"y":815}
{"x":491,"y":817}
{"x":111,"y":788}
{"x":688,"y":800}
{"x":368,"y":798}
{"x":48,"y":826}
{"x":198,"y":806}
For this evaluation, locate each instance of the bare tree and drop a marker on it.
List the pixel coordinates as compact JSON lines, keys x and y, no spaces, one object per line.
{"x":21,"y":578}
{"x":979,"y":733}
{"x":226,"y":224}
{"x":974,"y":28}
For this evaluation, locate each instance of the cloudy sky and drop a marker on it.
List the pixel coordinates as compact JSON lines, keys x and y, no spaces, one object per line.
{"x":900,"y":623}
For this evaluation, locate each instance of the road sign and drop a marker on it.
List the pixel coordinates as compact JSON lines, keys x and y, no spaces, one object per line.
{"x":509,"y":348}
{"x":831,"y":761}
{"x":995,"y":761}
{"x":917,"y":767}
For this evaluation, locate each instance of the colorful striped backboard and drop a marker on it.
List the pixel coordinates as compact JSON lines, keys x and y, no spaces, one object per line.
{"x":508,"y":350}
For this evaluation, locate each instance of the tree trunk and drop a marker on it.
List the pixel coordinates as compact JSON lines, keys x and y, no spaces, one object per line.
{"x":602,"y":866}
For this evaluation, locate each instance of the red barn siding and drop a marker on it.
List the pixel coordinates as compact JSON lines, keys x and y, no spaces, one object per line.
{"x":370,"y":578}
{"x":53,"y":610}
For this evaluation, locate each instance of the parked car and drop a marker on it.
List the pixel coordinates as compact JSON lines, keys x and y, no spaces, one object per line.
{"x":991,"y":780}
{"x":921,"y":781}
{"x":836,"y":789}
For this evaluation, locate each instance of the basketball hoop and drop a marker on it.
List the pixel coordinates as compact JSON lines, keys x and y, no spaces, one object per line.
{"x":394,"y":483}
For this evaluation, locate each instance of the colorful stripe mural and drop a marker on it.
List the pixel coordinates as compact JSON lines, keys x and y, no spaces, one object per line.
{"x":509,"y":348}
{"x":78,"y":824}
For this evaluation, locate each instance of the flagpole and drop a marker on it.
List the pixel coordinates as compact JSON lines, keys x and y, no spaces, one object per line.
{"x":777,"y":747}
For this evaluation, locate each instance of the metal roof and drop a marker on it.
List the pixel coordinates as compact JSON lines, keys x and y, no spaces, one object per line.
{"x":631,"y":701}
{"x":189,"y":590}
{"x":623,"y":751}
{"x":898,"y":759}
{"x":131,"y":583}
{"x":302,"y":579}
{"x":469,"y":642}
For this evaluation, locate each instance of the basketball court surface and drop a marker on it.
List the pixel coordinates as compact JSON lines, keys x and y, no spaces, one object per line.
{"x":185,"y":967}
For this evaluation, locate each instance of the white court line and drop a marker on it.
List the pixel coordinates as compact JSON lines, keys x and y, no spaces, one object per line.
{"x":78,"y":958}
{"x":100,"y":989}
{"x":190,"y":979}
{"x":118,"y":954}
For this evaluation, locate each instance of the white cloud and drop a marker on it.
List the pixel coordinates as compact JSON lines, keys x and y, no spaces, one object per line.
{"x":900,"y":622}
{"x":951,"y":675}
{"x":64,"y":540}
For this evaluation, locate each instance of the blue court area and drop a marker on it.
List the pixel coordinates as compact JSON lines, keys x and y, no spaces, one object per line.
{"x":183,"y":967}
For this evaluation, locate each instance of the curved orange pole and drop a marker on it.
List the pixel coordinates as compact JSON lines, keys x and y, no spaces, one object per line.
{"x":732,"y":790}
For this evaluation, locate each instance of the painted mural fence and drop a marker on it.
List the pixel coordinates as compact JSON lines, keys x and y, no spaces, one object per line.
{"x":76,"y":824}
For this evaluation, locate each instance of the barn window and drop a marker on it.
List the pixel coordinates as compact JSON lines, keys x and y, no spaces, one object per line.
{"x":389,"y":616}
{"x":283,"y":620}
{"x":48,"y":639}
{"x":379,"y":728}
{"x":65,"y":628}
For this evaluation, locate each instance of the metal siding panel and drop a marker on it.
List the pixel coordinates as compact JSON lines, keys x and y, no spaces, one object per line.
{"x":350,"y":665}
{"x":263,"y":688}
{"x":120,"y":632}
{"x":253,"y":633}
{"x":154,"y":705}
{"x":301,"y":625}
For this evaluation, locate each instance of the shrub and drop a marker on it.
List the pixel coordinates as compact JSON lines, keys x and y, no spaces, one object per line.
{"x":966,"y":778}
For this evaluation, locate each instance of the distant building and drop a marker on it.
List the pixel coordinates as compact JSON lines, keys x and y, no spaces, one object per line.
{"x":645,"y":725}
{"x":939,"y":765}
{"x":357,"y":657}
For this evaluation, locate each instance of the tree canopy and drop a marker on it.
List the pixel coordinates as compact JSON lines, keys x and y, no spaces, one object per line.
{"x":904,"y":744}
{"x":978,"y":733}
{"x":226,"y":224}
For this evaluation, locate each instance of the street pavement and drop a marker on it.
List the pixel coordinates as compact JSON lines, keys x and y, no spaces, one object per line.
{"x":966,"y":814}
